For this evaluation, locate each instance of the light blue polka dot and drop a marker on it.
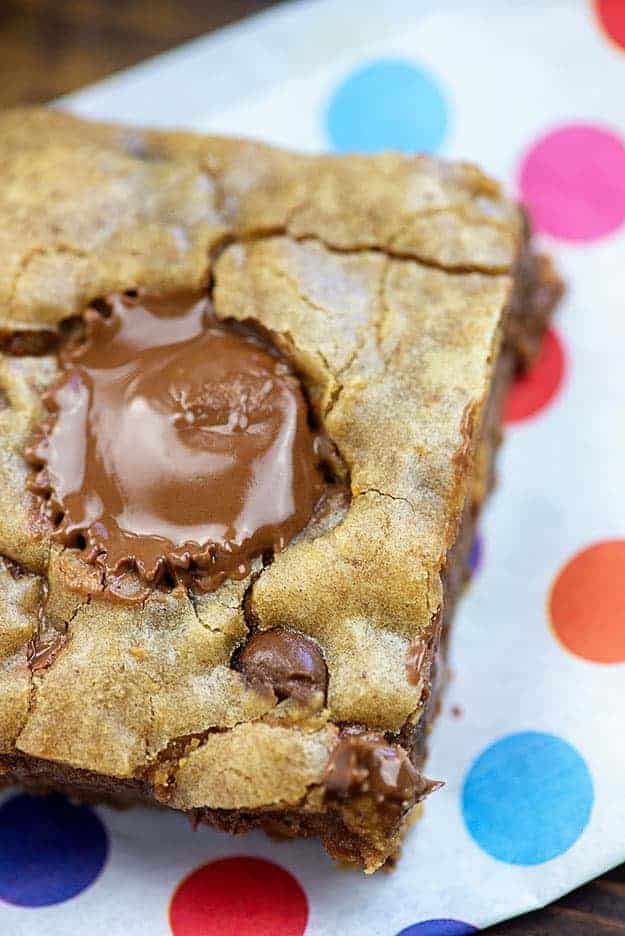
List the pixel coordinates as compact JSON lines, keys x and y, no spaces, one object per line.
{"x":527,"y":798}
{"x":387,"y":104}
{"x":439,"y":928}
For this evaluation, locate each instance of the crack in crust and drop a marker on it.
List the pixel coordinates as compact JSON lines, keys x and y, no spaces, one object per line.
{"x":164,"y":214}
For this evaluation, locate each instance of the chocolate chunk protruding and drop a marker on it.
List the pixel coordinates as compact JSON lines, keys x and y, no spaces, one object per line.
{"x":290,"y":663}
{"x":367,"y":763}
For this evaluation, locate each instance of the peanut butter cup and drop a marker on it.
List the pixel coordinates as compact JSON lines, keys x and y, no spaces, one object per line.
{"x":175,"y":443}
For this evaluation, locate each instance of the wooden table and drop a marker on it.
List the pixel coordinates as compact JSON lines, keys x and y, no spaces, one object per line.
{"x":50,"y":47}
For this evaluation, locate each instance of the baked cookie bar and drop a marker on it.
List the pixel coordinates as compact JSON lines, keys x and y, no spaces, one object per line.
{"x":249,"y":402}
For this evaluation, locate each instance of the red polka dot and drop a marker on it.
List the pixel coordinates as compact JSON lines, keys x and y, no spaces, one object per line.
{"x":533,"y":391}
{"x":239,"y":897}
{"x":587,"y":603}
{"x":611,"y":14}
{"x":572,"y":181}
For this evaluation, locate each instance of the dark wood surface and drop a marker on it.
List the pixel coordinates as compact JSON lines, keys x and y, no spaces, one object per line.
{"x":50,"y":47}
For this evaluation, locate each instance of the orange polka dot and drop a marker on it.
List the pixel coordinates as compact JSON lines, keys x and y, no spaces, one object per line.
{"x":533,"y":391}
{"x":611,"y":15}
{"x":587,"y":603}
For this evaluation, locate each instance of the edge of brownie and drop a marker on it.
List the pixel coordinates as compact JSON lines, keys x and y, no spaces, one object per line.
{"x":316,"y":216}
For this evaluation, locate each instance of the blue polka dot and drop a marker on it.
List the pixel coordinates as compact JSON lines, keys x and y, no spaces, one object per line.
{"x":527,"y":798}
{"x":49,"y":850}
{"x":387,"y":104}
{"x":439,"y":928}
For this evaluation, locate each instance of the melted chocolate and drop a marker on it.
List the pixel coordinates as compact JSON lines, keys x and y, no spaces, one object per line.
{"x":41,"y":656}
{"x":49,"y":639}
{"x":365,"y":762}
{"x":175,"y":443}
{"x":291,"y":664}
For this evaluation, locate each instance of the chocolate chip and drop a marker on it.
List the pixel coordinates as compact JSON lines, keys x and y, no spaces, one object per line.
{"x":365,"y":762}
{"x":27,"y":343}
{"x":290,"y":663}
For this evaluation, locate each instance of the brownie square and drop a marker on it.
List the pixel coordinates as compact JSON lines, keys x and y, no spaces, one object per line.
{"x":285,"y":677}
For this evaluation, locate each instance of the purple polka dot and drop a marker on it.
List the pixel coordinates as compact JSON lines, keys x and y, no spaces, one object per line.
{"x":476,"y":554}
{"x":572,"y":180}
{"x":439,"y":928}
{"x":50,"y":850}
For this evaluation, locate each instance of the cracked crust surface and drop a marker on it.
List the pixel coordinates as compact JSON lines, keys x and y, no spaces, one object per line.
{"x":385,"y":280}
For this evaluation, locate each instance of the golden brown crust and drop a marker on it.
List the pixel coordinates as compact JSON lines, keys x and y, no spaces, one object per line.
{"x":385,"y":280}
{"x":89,"y":209}
{"x":20,"y":597}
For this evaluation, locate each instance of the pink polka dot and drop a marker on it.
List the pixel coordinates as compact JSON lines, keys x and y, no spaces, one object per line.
{"x":533,"y":391}
{"x":572,"y":181}
{"x":239,"y":897}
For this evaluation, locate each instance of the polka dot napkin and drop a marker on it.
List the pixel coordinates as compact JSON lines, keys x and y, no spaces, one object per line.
{"x":530,"y":739}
